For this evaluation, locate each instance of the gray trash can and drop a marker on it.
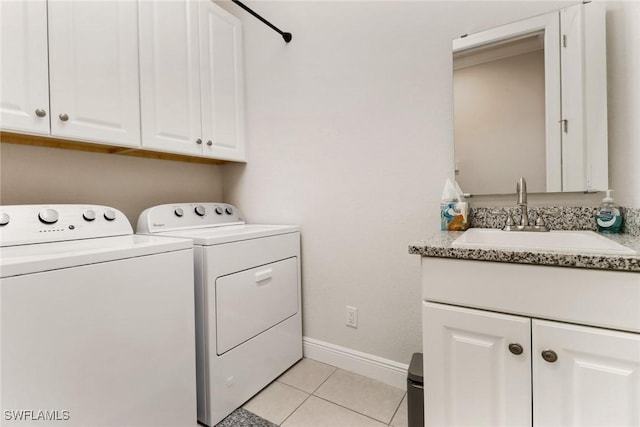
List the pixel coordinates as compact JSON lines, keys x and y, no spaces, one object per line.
{"x":415,"y":392}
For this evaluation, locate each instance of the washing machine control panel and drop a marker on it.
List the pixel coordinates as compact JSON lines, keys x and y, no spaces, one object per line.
{"x":29,"y":224}
{"x":182,"y":216}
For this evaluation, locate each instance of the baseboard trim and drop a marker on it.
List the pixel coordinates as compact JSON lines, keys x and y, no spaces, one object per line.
{"x":368,"y":365}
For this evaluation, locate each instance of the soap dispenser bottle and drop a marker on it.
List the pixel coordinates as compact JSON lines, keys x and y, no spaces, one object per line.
{"x":608,"y":218}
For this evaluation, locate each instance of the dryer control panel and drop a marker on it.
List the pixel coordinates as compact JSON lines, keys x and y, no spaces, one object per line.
{"x":183,"y":216}
{"x":30,"y":224}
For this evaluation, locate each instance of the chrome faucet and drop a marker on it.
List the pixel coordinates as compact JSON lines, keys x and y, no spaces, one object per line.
{"x":521,"y":190}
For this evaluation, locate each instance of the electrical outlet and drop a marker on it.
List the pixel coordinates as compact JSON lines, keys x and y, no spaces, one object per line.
{"x":352,"y":316}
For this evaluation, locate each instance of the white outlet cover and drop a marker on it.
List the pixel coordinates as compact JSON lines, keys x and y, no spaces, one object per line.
{"x":352,"y":316}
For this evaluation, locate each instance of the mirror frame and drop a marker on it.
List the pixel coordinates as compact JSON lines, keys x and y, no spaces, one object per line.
{"x":575,"y":92}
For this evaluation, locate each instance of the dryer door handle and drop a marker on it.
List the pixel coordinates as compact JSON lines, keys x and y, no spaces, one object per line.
{"x":264,"y":275}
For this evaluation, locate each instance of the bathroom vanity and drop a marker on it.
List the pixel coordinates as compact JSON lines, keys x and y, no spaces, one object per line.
{"x":530,"y":337}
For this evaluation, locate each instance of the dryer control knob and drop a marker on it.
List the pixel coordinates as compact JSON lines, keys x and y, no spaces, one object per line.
{"x":4,"y":219}
{"x":219,"y":210}
{"x":89,"y":215}
{"x":229,"y":211}
{"x":48,"y":216}
{"x":179,"y":212}
{"x":200,"y":211}
{"x":109,"y":215}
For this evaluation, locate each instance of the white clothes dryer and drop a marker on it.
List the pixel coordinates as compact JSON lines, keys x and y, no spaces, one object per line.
{"x":97,"y":322}
{"x":247,"y":287}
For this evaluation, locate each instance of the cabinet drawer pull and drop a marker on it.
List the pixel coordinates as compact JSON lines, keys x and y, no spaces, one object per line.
{"x":550,"y":356}
{"x":199,"y":141}
{"x":209,"y":143}
{"x":516,"y":349}
{"x":64,"y":117}
{"x":41,"y":113}
{"x":263,"y":275}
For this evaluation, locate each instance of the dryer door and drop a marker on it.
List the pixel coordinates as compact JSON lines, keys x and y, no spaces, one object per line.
{"x":251,"y":301}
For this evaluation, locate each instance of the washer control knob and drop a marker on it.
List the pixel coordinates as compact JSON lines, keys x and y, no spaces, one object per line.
{"x":4,"y":219}
{"x":200,"y":211}
{"x":109,"y":215}
{"x":229,"y":211}
{"x":89,"y":215}
{"x":219,"y":210}
{"x":179,"y":212}
{"x":48,"y":216}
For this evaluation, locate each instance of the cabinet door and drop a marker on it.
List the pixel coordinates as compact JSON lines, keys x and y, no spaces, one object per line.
{"x":170,"y":76}
{"x":25,"y":69}
{"x":93,"y":58}
{"x":222,"y":83}
{"x":470,"y":375}
{"x":595,"y":380}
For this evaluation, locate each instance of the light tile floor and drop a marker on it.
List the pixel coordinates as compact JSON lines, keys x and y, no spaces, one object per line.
{"x":313,"y":394}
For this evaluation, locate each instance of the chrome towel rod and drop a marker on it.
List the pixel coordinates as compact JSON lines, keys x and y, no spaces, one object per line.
{"x":286,"y":36}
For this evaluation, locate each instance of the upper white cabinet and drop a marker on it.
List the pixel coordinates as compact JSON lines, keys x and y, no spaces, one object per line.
{"x":191,"y":79}
{"x":170,"y":76}
{"x":158,"y":75}
{"x":222,"y":87}
{"x":93,"y":60}
{"x":80,"y":84}
{"x":24,"y":91}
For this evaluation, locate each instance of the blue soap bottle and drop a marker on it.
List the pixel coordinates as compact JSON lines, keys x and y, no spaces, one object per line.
{"x":608,"y":218}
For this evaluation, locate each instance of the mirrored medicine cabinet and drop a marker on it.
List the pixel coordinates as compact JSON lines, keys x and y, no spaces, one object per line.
{"x":530,"y":100}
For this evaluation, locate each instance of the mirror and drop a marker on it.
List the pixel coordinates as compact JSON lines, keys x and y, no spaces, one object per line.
{"x":530,"y":100}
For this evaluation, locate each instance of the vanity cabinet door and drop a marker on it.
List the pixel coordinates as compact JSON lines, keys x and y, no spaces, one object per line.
{"x":594,"y":379}
{"x":24,"y":90}
{"x":477,"y":367}
{"x":170,"y":76}
{"x":93,"y":70}
{"x":222,"y":83}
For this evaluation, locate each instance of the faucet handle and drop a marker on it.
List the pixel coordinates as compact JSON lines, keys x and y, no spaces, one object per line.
{"x":510,"y":224}
{"x":540,"y":224}
{"x":540,"y":221}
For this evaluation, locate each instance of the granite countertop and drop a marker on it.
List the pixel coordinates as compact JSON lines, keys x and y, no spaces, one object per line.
{"x":439,"y":245}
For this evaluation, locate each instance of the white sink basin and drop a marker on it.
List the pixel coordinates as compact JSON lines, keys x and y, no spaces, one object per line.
{"x":562,"y":241}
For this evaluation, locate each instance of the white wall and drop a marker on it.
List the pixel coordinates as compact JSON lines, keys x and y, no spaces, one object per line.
{"x":623,"y":72}
{"x":39,"y":175}
{"x":350,"y":134}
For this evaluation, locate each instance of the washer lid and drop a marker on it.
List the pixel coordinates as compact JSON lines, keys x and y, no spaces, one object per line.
{"x":26,"y":259}
{"x":232,"y":233}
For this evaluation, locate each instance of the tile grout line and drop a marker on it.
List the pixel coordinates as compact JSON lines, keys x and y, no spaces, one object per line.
{"x":308,"y":394}
{"x":351,"y":409}
{"x":354,"y":411}
{"x":325,"y":380}
{"x":294,"y":411}
{"x":397,"y":409}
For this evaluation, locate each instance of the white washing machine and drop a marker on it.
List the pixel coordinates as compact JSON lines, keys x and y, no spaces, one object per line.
{"x":247,"y":286}
{"x":97,"y":323}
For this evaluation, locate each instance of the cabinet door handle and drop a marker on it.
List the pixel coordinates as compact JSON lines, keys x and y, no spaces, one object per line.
{"x":41,"y":113}
{"x":550,"y":356}
{"x":199,"y":141}
{"x":516,"y":349}
{"x":209,"y":143}
{"x":64,"y":117}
